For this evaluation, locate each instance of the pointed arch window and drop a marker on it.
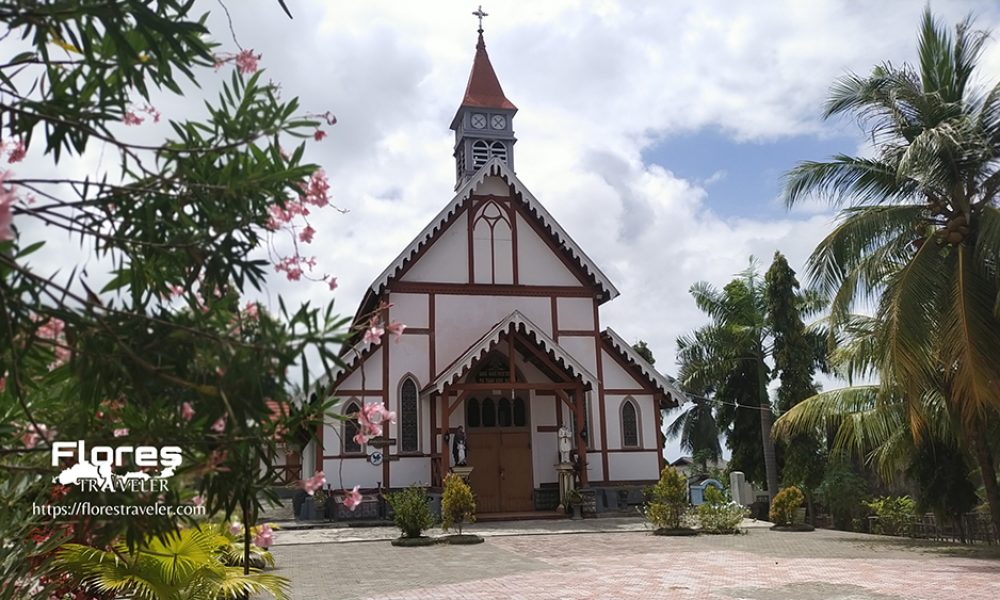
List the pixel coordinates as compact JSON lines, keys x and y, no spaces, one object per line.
{"x":492,"y":244}
{"x":409,"y":422}
{"x":349,"y":429}
{"x":630,"y":424}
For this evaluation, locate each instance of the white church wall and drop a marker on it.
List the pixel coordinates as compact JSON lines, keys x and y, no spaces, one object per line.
{"x":354,"y":471}
{"x":544,"y":444}
{"x":582,"y":349}
{"x":464,"y":319}
{"x":647,"y":419}
{"x":492,"y":186}
{"x":409,"y":309}
{"x":407,"y":357}
{"x":615,"y":376}
{"x":576,"y":314}
{"x":409,"y":470}
{"x":372,"y":369}
{"x":447,"y":259}
{"x":537,"y":263}
{"x":632,"y":466}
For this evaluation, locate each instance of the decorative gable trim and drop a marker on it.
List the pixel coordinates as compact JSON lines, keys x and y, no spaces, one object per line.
{"x":515,"y":322}
{"x":497,"y":168}
{"x":663,"y":383}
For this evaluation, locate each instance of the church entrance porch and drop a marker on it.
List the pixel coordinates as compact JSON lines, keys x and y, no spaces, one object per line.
{"x":499,"y":441}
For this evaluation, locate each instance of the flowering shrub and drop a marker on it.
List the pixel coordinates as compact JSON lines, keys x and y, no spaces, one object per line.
{"x":785,"y":503}
{"x":893,"y":512}
{"x":458,"y":506}
{"x":411,"y":513}
{"x":668,"y":501}
{"x":718,"y":515}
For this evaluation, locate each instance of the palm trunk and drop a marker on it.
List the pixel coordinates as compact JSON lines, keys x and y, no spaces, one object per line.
{"x":766,"y":422}
{"x":987,"y":470}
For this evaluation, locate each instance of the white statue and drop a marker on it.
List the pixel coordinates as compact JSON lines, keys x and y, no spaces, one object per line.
{"x":458,"y":449}
{"x":565,"y":444}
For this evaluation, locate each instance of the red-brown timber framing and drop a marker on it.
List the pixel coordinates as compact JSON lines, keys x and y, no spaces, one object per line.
{"x":600,"y":395}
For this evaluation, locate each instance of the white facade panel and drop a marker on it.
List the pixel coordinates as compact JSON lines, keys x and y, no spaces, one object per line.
{"x":537,"y":262}
{"x":544,"y":444}
{"x":492,"y":186}
{"x":353,"y":471}
{"x":447,"y":260}
{"x":615,"y":376}
{"x":409,"y":470}
{"x":583,"y":349}
{"x":410,"y":310}
{"x":461,"y":320}
{"x":576,"y":314}
{"x":647,"y":419}
{"x":633,"y":466}
{"x":368,"y":376}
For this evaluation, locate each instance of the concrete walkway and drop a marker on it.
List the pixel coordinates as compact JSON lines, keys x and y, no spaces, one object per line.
{"x":620,"y":559}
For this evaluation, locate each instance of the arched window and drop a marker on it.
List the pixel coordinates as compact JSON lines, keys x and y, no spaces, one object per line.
{"x":472,"y":413}
{"x":630,"y":424}
{"x":350,"y":429}
{"x":489,"y":413}
{"x":409,"y":423}
{"x":493,"y":246}
{"x":520,"y":414}
{"x":480,"y":154}
{"x":503,"y":413}
{"x":499,"y":150}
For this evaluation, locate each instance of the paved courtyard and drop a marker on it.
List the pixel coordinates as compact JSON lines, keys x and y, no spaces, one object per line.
{"x":617,"y":559}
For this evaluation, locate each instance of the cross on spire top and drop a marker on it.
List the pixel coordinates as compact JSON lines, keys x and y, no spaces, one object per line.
{"x":479,"y":13}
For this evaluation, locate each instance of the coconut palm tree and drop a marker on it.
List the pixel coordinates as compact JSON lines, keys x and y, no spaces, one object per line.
{"x":188,"y":565}
{"x":697,"y":429}
{"x":919,"y":235}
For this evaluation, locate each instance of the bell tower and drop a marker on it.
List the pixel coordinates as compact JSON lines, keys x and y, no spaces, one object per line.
{"x":482,"y":125}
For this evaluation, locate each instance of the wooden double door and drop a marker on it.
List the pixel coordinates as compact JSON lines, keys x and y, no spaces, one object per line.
{"x":500,"y":455}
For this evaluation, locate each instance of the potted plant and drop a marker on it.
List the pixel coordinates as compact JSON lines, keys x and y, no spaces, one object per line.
{"x":319,"y":502}
{"x":668,"y":503}
{"x":412,"y":515}
{"x":575,"y":501}
{"x":458,"y":506}
{"x":785,"y":508}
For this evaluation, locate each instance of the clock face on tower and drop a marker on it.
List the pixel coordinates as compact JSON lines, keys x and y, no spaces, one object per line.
{"x":498,"y":122}
{"x":479,"y":120}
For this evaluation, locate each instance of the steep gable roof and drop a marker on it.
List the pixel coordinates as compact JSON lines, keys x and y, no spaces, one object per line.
{"x":662,"y":382}
{"x":496,"y":167}
{"x":514,"y":322}
{"x":483,"y":89}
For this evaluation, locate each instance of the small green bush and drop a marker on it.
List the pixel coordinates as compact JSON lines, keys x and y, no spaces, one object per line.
{"x":718,"y":515}
{"x":411,"y":513}
{"x":894,"y":513}
{"x":667,"y":500}
{"x":785,"y":504}
{"x":458,"y":506}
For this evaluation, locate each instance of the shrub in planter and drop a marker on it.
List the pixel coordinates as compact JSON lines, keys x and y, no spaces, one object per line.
{"x":718,"y":515}
{"x":786,"y":503}
{"x":667,"y":501}
{"x":411,"y":513}
{"x":893,"y":512}
{"x":458,"y":506}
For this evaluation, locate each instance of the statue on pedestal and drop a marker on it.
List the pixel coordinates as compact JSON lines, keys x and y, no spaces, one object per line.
{"x":565,"y":444}
{"x":459,"y":447}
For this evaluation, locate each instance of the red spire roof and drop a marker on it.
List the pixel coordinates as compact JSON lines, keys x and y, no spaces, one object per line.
{"x":484,"y":88}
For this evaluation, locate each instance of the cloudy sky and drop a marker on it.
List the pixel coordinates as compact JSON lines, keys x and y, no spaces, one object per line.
{"x":655,"y":132}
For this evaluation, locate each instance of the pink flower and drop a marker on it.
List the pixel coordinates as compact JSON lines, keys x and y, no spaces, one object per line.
{"x":319,"y":135}
{"x":33,"y":435}
{"x":235,"y":528}
{"x":246,"y":62}
{"x":6,"y":210}
{"x":360,"y":438}
{"x":353,"y":498}
{"x":187,"y":411}
{"x":198,"y":500}
{"x":18,"y":152}
{"x":120,"y":432}
{"x":132,"y":119}
{"x":264,"y":537}
{"x":332,"y":282}
{"x":176,"y":290}
{"x":151,"y":111}
{"x":306,"y":235}
{"x":373,"y":335}
{"x":314,"y":483}
{"x":396,"y":329}
{"x":220,"y":424}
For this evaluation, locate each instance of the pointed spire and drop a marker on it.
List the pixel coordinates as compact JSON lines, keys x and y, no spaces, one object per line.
{"x":484,"y":89}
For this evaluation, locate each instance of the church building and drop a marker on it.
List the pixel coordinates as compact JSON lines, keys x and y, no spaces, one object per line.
{"x":503,"y":339}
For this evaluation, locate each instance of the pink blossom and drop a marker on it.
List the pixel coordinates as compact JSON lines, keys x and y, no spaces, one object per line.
{"x":187,"y":411}
{"x":52,"y":329}
{"x":252,"y":311}
{"x":198,"y":500}
{"x":353,"y":498}
{"x":373,"y":335}
{"x":264,"y":537}
{"x":319,"y":135}
{"x":176,"y":290}
{"x":151,"y":111}
{"x":317,"y":192}
{"x":120,"y":432}
{"x":6,"y":209}
{"x":246,"y":62}
{"x":132,"y":119}
{"x":332,"y":282}
{"x":314,"y":483}
{"x":220,"y":424}
{"x":306,"y":235}
{"x":235,"y":528}
{"x":33,"y":435}
{"x":360,"y":438}
{"x":396,"y":329}
{"x":17,"y":153}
